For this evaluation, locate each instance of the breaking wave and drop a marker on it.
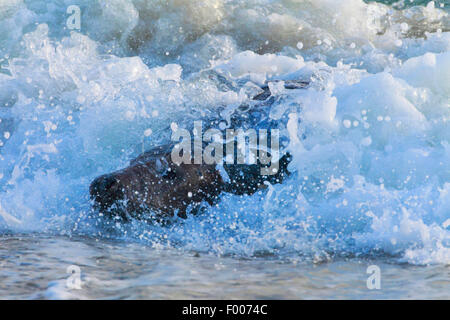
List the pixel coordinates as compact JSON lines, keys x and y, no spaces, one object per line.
{"x":371,"y":145}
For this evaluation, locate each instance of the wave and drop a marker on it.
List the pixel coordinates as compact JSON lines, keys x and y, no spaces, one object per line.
{"x":371,"y":145}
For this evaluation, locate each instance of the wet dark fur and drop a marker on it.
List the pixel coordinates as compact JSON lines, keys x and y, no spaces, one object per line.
{"x":153,"y":187}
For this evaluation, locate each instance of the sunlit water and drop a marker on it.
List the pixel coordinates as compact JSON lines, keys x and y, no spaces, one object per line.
{"x":35,"y":267}
{"x":371,"y":147}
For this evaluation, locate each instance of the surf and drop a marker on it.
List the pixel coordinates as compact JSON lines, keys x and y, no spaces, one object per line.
{"x":370,"y":145}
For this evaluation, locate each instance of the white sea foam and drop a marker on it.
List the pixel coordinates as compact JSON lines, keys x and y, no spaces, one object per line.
{"x":372,"y":156}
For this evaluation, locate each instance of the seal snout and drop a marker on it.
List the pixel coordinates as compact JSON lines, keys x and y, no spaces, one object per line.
{"x":105,"y":191}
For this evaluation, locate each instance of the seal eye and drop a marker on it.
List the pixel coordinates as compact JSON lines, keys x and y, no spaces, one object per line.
{"x":169,"y":174}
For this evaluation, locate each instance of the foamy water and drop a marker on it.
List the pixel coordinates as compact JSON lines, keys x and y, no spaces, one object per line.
{"x":371,"y":140}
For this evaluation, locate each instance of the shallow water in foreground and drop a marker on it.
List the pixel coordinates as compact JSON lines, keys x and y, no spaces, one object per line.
{"x":34,"y":267}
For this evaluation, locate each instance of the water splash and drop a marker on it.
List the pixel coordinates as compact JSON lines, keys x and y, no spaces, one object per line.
{"x":371,"y":160}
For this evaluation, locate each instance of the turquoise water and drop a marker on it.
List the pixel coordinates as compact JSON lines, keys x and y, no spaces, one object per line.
{"x":371,"y":155}
{"x":411,"y":3}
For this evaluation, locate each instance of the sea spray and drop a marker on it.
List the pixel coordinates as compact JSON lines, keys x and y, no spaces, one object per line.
{"x":371,"y":169}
